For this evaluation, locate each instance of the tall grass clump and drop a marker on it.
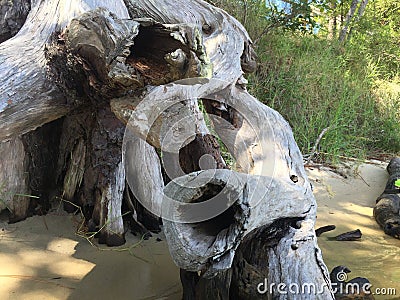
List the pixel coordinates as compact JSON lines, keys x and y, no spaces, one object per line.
{"x":316,"y":84}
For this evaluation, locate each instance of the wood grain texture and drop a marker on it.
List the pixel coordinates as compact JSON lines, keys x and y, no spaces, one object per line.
{"x":14,"y":181}
{"x":28,"y":98}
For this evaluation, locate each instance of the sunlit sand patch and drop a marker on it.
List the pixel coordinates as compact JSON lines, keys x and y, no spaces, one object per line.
{"x":63,"y":246}
{"x":54,"y":263}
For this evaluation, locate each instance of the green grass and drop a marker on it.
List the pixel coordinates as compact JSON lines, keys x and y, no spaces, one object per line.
{"x":316,"y":84}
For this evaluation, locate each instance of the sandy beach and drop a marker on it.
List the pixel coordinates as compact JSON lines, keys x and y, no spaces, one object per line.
{"x":43,"y":258}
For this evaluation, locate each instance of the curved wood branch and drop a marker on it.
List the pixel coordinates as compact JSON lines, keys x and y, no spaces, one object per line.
{"x":278,"y":181}
{"x":267,"y":152}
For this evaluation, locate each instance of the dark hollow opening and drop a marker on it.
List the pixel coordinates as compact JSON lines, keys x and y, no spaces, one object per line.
{"x":147,"y":54}
{"x":215,"y":225}
{"x":5,"y":215}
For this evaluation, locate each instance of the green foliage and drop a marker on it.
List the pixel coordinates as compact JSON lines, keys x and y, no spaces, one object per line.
{"x":315,"y":82}
{"x":293,"y":15}
{"x":378,"y":35}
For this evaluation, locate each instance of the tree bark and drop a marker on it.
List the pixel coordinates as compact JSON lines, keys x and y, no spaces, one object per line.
{"x":360,"y":12}
{"x":332,"y":25}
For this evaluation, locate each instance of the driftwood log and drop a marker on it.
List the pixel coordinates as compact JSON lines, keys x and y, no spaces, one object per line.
{"x":98,"y":94}
{"x":387,"y":208}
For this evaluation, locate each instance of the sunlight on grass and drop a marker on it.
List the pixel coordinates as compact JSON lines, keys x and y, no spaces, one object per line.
{"x":388,"y":96}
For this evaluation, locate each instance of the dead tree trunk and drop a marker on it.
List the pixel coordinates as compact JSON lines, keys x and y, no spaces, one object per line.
{"x":360,"y":13}
{"x":147,"y":65}
{"x":332,"y":25}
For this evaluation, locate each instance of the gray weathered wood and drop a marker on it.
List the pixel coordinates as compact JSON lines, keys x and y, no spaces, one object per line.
{"x":101,"y":64}
{"x":14,"y":188}
{"x":12,"y":16}
{"x":266,"y":151}
{"x":143,"y":173}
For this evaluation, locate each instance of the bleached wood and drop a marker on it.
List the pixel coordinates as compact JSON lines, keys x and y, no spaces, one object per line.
{"x":270,"y":185}
{"x":266,"y":149}
{"x":272,"y":195}
{"x":14,"y":189}
{"x":111,"y":218}
{"x":143,"y":169}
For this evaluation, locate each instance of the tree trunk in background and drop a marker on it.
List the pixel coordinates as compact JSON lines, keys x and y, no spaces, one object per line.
{"x":349,"y":18}
{"x":332,"y":25}
{"x":360,"y":12}
{"x":104,"y":70}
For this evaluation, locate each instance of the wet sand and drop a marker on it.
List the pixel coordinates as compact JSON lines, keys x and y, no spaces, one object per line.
{"x":52,"y":262}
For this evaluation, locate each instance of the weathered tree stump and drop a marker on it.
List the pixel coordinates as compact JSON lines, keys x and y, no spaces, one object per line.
{"x":98,"y":67}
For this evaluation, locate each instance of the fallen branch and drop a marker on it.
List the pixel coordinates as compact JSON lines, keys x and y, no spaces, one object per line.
{"x":314,"y":148}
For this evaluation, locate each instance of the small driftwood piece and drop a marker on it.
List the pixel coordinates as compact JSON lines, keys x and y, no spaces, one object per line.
{"x":387,"y":208}
{"x":324,"y":229}
{"x":354,"y":235}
